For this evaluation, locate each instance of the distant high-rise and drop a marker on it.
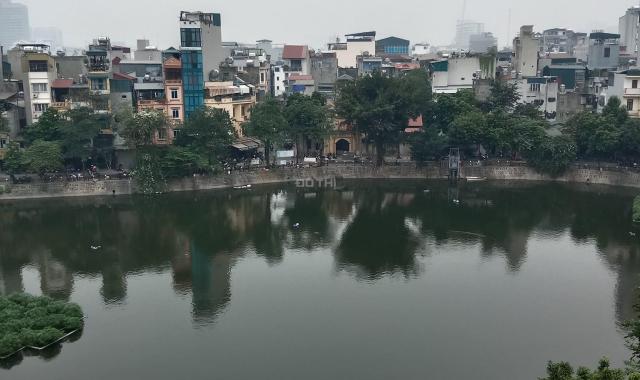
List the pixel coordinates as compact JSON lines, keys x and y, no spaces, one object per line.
{"x":464,"y":30}
{"x":629,"y":29}
{"x":14,"y":23}
{"x":482,"y":43}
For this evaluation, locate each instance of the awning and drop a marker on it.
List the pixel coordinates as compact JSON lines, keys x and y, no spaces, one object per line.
{"x":246,"y":144}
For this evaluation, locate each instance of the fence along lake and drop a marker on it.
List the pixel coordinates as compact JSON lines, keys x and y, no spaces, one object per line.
{"x":378,"y":280}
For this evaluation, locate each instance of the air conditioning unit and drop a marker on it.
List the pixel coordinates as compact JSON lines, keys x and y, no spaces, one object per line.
{"x":35,"y":95}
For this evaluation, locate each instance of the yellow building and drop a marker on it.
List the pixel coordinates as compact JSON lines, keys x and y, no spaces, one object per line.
{"x":237,"y":100}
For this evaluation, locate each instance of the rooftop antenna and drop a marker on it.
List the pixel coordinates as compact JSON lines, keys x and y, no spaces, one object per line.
{"x":464,"y":9}
{"x":509,"y":27}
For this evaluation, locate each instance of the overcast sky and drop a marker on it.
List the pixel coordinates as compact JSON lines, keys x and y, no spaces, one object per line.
{"x":316,"y":22}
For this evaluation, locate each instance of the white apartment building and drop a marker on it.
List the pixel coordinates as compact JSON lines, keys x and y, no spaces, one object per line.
{"x":357,"y":44}
{"x":542,"y":92}
{"x":527,"y":47}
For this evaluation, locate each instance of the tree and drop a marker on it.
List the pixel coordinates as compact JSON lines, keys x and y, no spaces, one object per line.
{"x":615,"y":111}
{"x":78,"y":133}
{"x":47,"y":128}
{"x":553,"y":155}
{"x":43,"y":156}
{"x":630,"y":139}
{"x":268,"y":124}
{"x":503,"y":96}
{"x":564,"y":371}
{"x":140,"y":128}
{"x":596,"y":136}
{"x":380,"y":107}
{"x":427,"y":145}
{"x":447,"y":107}
{"x":209,"y":132}
{"x":181,"y":161}
{"x":307,"y":117}
{"x":467,"y":129}
{"x":13,"y":159}
{"x":528,"y":110}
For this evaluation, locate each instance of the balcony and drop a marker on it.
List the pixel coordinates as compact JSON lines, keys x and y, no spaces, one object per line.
{"x":98,"y":92}
{"x":632,"y":92}
{"x":151,"y":102}
{"x":173,"y":82}
{"x":61,"y":106}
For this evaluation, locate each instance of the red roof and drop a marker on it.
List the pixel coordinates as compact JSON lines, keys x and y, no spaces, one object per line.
{"x":62,"y":83}
{"x":416,"y":123}
{"x":295,"y":52}
{"x":300,"y":77}
{"x":123,"y":76}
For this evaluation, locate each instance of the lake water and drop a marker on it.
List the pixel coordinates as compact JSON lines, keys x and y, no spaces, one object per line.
{"x":380,"y":281}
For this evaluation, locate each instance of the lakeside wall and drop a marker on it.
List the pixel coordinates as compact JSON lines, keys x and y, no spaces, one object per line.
{"x":314,"y":175}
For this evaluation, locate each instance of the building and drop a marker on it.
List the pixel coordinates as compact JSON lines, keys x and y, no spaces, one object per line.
{"x":296,"y":60}
{"x":526,"y":47}
{"x":460,"y":72}
{"x":324,"y":71}
{"x":422,"y":48}
{"x":482,"y":43}
{"x":235,"y":97}
{"x":629,"y":29}
{"x":558,"y":40}
{"x":464,"y":30}
{"x":604,"y":51}
{"x":392,"y":45}
{"x":38,"y":73}
{"x":367,"y":64}
{"x":202,"y":52}
{"x":48,"y":35}
{"x":14,"y":23}
{"x":581,"y":48}
{"x":300,"y":84}
{"x":146,"y":52}
{"x":278,"y":80}
{"x":98,"y":77}
{"x":173,"y":88}
{"x":274,"y":52}
{"x":627,"y":87}
{"x":357,"y":44}
{"x":541,"y":92}
{"x":251,"y":64}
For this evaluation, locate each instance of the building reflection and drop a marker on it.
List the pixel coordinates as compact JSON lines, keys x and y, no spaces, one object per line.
{"x":373,"y":232}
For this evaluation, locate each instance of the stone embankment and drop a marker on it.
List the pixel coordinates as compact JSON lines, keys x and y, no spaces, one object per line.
{"x":327,"y":174}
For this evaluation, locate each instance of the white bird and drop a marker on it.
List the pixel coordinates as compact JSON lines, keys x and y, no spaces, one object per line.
{"x":93,"y":247}
{"x":297,"y":225}
{"x":632,"y":234}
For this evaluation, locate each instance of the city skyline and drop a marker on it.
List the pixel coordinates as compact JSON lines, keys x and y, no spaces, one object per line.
{"x":293,"y":24}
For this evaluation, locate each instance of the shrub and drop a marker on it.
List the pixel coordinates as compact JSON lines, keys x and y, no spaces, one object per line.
{"x":27,"y":320}
{"x":636,"y":210}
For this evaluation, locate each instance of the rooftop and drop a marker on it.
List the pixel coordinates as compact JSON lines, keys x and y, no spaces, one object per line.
{"x":295,"y":52}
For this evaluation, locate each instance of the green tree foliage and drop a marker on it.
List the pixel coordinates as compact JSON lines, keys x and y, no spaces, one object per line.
{"x":13,"y":159}
{"x":447,"y":107}
{"x":47,"y":128}
{"x":553,"y":155}
{"x":427,"y":145}
{"x":380,"y":107}
{"x":78,"y":132}
{"x":503,"y":96}
{"x":468,"y":129}
{"x":630,"y":139}
{"x":27,"y":320}
{"x":181,"y":161}
{"x":140,"y":128}
{"x":43,"y":156}
{"x":564,"y":371}
{"x":615,"y":111}
{"x":269,"y":124}
{"x":208,"y":132}
{"x":148,"y":171}
{"x":307,"y":117}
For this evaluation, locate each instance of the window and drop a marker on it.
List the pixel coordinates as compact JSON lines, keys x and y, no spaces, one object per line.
{"x":97,"y":84}
{"x":278,"y":88}
{"x":190,"y":37}
{"x":607,"y":52}
{"x":38,"y":66}
{"x":175,"y":113}
{"x":39,"y":87}
{"x":261,"y":77}
{"x":3,"y":143}
{"x":296,"y":65}
{"x":162,"y":134}
{"x":551,"y":100}
{"x":175,"y":133}
{"x":534,"y":87}
{"x":634,"y":83}
{"x":277,"y":70}
{"x":629,"y":104}
{"x":174,"y":93}
{"x":124,"y":96}
{"x":38,"y":107}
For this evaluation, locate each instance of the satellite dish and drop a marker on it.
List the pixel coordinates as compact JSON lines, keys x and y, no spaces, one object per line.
{"x":214,"y":75}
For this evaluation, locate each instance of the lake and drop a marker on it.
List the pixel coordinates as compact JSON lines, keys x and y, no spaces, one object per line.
{"x":380,"y":280}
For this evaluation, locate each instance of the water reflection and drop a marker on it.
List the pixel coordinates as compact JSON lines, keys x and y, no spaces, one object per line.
{"x":373,"y":231}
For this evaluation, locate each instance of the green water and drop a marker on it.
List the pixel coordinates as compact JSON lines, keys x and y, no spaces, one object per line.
{"x":380,"y":281}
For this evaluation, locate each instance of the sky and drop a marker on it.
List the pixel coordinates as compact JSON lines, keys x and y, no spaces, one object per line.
{"x":316,"y":22}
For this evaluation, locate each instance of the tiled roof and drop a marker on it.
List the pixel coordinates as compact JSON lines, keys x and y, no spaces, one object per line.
{"x":300,"y":77}
{"x":62,"y":83}
{"x":416,"y":123}
{"x":294,"y":52}
{"x":123,"y":76}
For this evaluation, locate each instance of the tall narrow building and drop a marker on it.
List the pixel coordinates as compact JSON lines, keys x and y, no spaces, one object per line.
{"x":202,"y":53}
{"x":629,"y":29}
{"x":14,"y":23}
